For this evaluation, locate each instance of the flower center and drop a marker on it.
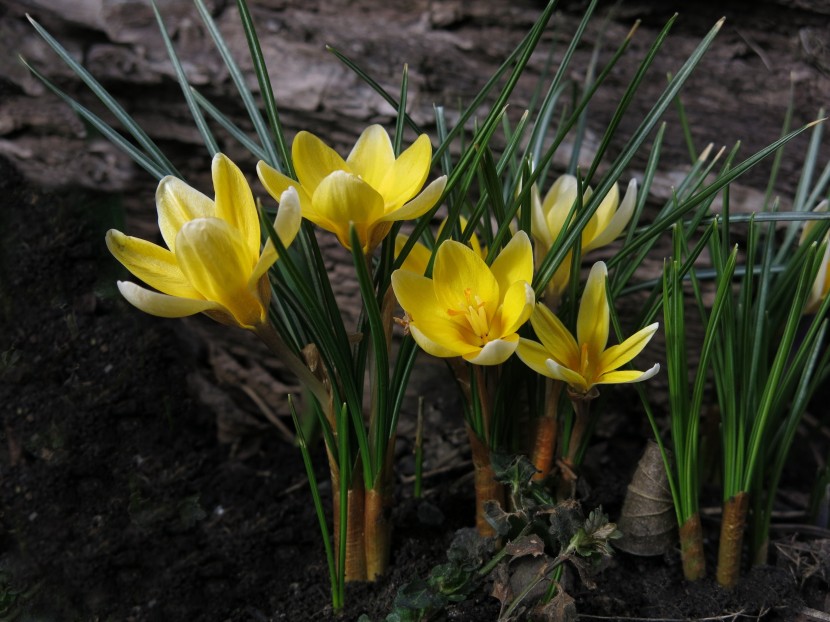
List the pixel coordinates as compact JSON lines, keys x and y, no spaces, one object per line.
{"x":474,"y":312}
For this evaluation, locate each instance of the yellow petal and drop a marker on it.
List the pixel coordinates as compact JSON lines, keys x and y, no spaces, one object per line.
{"x":407,"y":175}
{"x":286,"y":225}
{"x":213,"y":256}
{"x":178,"y":203}
{"x":618,"y":222}
{"x":557,"y":340}
{"x":494,"y":352}
{"x":808,"y":225}
{"x":628,"y":376}
{"x":574,"y":379}
{"x":314,"y":161}
{"x":235,"y":202}
{"x":276,"y":183}
{"x":594,"y":315}
{"x":416,"y":294}
{"x":461,"y":278}
{"x":421,"y":204}
{"x":515,"y":310}
{"x":163,"y":305}
{"x":343,"y":198}
{"x":534,"y":355}
{"x":153,"y":264}
{"x":560,"y":279}
{"x":617,"y":356}
{"x":372,"y":156}
{"x":557,"y":204}
{"x":538,"y":223}
{"x":602,"y":217}
{"x":514,"y":263}
{"x":418,"y":258}
{"x":439,"y":348}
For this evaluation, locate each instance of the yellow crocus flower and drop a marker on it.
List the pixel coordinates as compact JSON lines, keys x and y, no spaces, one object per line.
{"x":418,"y":258}
{"x":584,"y":361}
{"x":468,"y":308}
{"x":370,"y":189}
{"x":212,"y":263}
{"x":548,"y":219}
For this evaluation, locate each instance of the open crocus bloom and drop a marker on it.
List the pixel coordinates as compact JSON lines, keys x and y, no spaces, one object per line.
{"x":584,"y":362}
{"x":370,"y":189}
{"x":549,"y":218}
{"x":468,"y":308}
{"x":821,"y":286}
{"x":213,"y":265}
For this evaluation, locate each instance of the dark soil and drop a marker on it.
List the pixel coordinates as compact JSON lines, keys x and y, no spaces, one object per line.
{"x":120,"y":503}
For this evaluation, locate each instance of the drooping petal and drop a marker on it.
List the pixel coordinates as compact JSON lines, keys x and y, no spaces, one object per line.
{"x":213,"y":256}
{"x":594,"y":315}
{"x":163,"y":305}
{"x":343,"y":198}
{"x":628,"y":376}
{"x":276,"y":183}
{"x":617,"y":356}
{"x":421,"y":204}
{"x":618,"y":222}
{"x":407,"y":175}
{"x":534,"y":355}
{"x":151,"y":263}
{"x":462,"y":278}
{"x":494,"y":352}
{"x":178,"y":203}
{"x":557,"y":340}
{"x":514,"y":263}
{"x":314,"y":160}
{"x":235,"y":202}
{"x":372,"y":156}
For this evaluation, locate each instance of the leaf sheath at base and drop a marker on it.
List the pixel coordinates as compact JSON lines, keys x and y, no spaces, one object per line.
{"x":355,"y":512}
{"x":377,"y":520}
{"x":731,"y":538}
{"x":691,"y":549}
{"x":546,"y":433}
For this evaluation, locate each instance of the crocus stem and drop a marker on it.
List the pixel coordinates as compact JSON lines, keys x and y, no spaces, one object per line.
{"x":582,"y":413}
{"x":547,"y":428}
{"x":271,"y":338}
{"x":486,"y":486}
{"x":486,"y":404}
{"x":691,"y":548}
{"x":731,"y":538}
